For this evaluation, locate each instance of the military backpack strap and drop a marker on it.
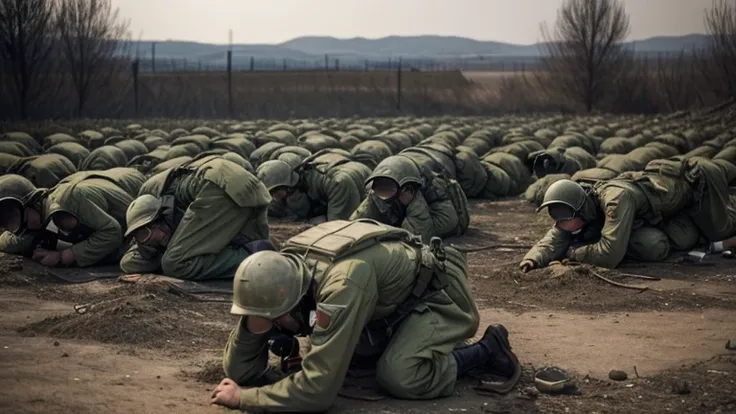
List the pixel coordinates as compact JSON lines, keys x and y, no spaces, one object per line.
{"x":431,"y":278}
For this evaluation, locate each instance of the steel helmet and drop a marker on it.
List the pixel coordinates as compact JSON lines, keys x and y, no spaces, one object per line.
{"x":143,"y":211}
{"x":564,"y":198}
{"x":8,"y":204}
{"x":398,"y":168}
{"x":277,"y":173}
{"x":269,"y":284}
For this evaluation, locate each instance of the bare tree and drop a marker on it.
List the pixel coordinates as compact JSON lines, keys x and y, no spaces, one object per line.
{"x":583,"y":55}
{"x":720,"y":23}
{"x":26,"y":45}
{"x":92,"y":37}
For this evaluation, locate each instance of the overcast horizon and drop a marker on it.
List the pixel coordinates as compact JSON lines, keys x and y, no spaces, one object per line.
{"x":264,"y":22}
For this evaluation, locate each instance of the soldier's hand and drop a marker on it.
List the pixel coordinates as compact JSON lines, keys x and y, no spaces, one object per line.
{"x":406,"y":196}
{"x":45,"y":257}
{"x":66,"y":257}
{"x":526,"y":265}
{"x":226,"y":394}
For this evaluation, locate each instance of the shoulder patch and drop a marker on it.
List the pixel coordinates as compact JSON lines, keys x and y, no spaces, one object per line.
{"x":325,"y":313}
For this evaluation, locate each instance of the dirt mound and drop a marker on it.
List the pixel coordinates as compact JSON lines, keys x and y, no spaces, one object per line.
{"x":211,"y":372}
{"x":142,"y":315}
{"x":10,"y":271}
{"x":577,"y":288}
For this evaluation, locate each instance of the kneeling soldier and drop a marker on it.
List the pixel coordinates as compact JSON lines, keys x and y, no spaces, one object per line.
{"x":359,"y":290}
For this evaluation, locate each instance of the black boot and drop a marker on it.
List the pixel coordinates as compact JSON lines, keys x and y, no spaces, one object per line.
{"x":492,"y":354}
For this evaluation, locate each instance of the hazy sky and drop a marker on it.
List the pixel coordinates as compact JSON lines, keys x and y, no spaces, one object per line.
{"x":274,"y":21}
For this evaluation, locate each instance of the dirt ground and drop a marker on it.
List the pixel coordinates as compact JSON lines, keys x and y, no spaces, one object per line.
{"x":145,"y":349}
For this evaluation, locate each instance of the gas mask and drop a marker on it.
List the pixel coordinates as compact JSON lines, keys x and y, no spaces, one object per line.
{"x":304,"y":314}
{"x":384,"y":194}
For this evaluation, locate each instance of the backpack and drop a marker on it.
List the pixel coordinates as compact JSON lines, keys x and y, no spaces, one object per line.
{"x":333,"y":240}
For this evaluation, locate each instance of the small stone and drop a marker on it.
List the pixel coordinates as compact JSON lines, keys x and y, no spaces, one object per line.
{"x":65,"y":355}
{"x":158,"y":377}
{"x":531,"y":392}
{"x":56,"y":343}
{"x":617,"y":375}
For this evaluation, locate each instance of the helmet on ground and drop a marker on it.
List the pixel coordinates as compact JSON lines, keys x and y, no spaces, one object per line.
{"x":269,"y":284}
{"x":143,"y":211}
{"x":277,"y":173}
{"x":398,"y":168}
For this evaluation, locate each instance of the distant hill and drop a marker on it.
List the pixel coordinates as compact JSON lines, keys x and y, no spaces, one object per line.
{"x":314,"y":48}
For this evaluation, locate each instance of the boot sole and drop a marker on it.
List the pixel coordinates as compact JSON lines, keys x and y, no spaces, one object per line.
{"x":500,"y":333}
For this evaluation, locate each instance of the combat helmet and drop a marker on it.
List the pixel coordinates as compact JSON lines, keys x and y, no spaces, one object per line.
{"x":13,"y":189}
{"x":269,"y":284}
{"x":564,"y":199}
{"x":277,"y":173}
{"x":143,"y":211}
{"x":398,"y":168}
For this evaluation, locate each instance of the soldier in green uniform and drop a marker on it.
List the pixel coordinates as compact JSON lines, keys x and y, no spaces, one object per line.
{"x":85,"y":210}
{"x":327,"y":185}
{"x":401,"y":196}
{"x":358,"y":290}
{"x":643,"y":214}
{"x":196,"y":221}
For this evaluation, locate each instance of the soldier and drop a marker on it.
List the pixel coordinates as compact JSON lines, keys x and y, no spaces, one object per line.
{"x":85,"y":210}
{"x":325,"y":186}
{"x":642,"y":214}
{"x":197,"y":221}
{"x":359,"y":290}
{"x":402,"y":196}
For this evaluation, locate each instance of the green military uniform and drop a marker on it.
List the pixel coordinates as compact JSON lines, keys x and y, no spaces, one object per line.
{"x":639,"y":213}
{"x":99,"y":206}
{"x":44,"y":170}
{"x":432,"y":211}
{"x":75,"y":152}
{"x":214,"y":208}
{"x":327,"y":183}
{"x":354,"y":293}
{"x":104,"y":157}
{"x":128,"y":179}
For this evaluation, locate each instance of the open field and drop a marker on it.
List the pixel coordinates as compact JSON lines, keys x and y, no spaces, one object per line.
{"x":148,"y":348}
{"x":163,"y":352}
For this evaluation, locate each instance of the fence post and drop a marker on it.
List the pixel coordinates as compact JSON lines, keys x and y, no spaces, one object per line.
{"x":135,"y":88}
{"x":398,"y":87}
{"x":230,"y":82}
{"x":284,"y":65}
{"x":153,"y":57}
{"x":337,"y":64}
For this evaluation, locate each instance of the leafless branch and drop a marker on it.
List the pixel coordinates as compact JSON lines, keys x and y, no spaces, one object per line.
{"x":93,"y":42}
{"x":26,"y":45}
{"x":583,"y":56}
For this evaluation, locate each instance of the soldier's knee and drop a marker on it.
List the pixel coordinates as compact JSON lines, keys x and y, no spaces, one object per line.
{"x":394,"y":376}
{"x":682,"y":232}
{"x":648,"y":244}
{"x":179,"y":267}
